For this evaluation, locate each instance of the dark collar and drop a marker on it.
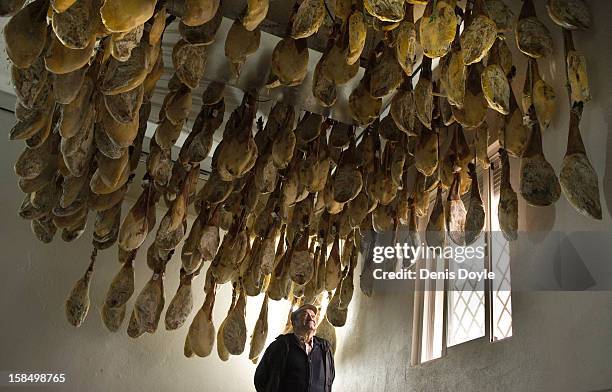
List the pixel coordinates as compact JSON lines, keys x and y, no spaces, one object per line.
{"x":296,"y":340}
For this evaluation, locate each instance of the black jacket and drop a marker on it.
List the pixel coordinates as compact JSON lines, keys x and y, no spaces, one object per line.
{"x":272,"y":365}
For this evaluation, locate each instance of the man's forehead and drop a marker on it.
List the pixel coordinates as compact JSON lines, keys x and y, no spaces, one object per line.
{"x":304,"y":311}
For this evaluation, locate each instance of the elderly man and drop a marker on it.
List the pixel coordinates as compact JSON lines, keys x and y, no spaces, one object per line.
{"x":298,"y":361}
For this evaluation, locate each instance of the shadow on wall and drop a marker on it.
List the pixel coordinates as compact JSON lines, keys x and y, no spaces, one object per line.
{"x":391,"y":301}
{"x":570,"y":270}
{"x":607,"y":175}
{"x":352,"y":351}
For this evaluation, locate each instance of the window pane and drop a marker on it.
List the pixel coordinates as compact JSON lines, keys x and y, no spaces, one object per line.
{"x":466,"y":306}
{"x":433,"y":320}
{"x":501,"y":298}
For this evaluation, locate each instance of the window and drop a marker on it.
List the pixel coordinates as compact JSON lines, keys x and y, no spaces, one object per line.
{"x":449,"y":312}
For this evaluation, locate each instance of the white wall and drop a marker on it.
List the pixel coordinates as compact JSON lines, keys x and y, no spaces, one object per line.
{"x":562,"y":340}
{"x":36,"y":337}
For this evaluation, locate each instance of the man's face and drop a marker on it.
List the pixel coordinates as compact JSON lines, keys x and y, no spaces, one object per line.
{"x":307,"y":319}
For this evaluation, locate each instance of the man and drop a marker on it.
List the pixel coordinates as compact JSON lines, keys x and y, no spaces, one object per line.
{"x":298,"y":361}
